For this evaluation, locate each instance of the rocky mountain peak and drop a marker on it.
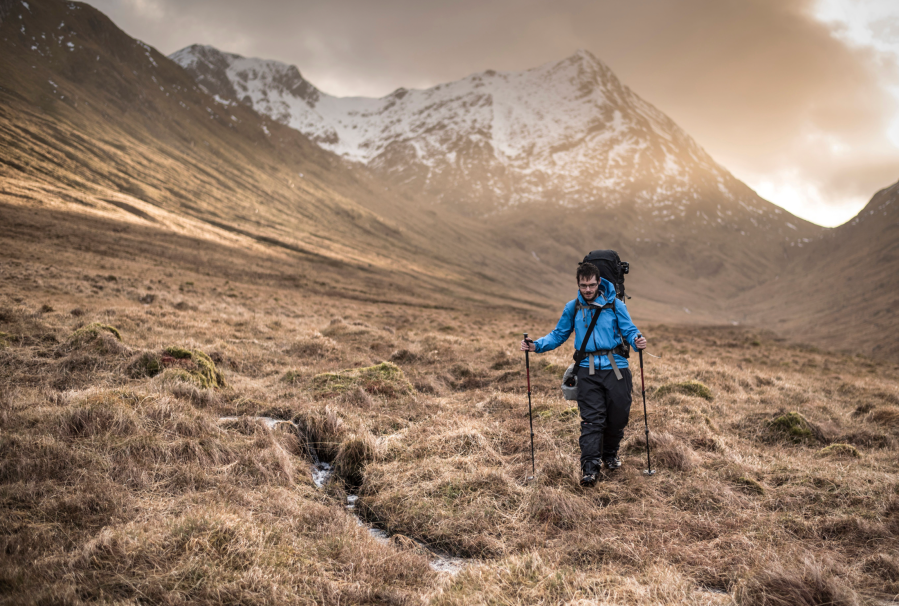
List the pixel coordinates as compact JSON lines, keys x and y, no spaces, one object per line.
{"x":567,"y":133}
{"x":238,"y":78}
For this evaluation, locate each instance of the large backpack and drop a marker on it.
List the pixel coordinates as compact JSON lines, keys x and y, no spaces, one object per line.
{"x":611,"y":267}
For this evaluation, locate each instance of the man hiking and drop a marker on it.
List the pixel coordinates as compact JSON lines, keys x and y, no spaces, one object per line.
{"x":604,"y":380}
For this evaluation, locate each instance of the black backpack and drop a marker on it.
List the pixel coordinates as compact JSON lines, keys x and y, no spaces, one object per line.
{"x":610,"y":267}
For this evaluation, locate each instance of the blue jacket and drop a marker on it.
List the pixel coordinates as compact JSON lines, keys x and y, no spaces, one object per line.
{"x":605,"y":333}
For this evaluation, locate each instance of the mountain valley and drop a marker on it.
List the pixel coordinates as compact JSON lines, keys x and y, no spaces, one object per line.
{"x":208,"y":300}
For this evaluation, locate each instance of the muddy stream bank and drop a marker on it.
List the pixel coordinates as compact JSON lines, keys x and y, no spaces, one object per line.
{"x":322,"y":472}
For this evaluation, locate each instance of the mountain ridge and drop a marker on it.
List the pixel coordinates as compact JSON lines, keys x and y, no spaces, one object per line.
{"x":99,"y":124}
{"x":568,"y":131}
{"x":565,"y":142}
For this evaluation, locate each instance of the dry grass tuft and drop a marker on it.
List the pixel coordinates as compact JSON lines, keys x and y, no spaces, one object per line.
{"x":885,"y":567}
{"x":97,"y":415}
{"x":338,"y":327}
{"x":665,"y":450}
{"x":561,"y":509}
{"x":199,"y":366}
{"x":201,"y":398}
{"x":324,"y":431}
{"x":809,"y":585}
{"x":90,"y":346}
{"x":748,"y":484}
{"x":404,"y":356}
{"x":887,"y":417}
{"x":355,"y":452}
{"x":314,"y":348}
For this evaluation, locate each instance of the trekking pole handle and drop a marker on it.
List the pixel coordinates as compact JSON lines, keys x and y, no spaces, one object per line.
{"x":640,"y":351}
{"x":527,"y":364}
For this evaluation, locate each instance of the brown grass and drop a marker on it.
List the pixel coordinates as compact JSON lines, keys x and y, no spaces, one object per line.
{"x":807,"y":585}
{"x":122,"y":484}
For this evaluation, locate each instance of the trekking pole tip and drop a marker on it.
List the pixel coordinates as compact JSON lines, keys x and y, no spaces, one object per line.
{"x":649,"y":472}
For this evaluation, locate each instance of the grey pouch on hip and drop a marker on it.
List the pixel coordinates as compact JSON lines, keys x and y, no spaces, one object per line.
{"x":569,"y":383}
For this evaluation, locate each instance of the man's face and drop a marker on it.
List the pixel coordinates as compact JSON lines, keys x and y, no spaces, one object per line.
{"x":589,"y":288}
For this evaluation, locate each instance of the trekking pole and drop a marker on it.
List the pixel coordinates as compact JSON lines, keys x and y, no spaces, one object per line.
{"x":527,"y":366}
{"x":649,"y":470}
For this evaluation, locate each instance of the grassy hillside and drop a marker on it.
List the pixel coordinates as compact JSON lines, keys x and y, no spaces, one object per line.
{"x":843,"y":292}
{"x":99,"y":124}
{"x":120,"y":482}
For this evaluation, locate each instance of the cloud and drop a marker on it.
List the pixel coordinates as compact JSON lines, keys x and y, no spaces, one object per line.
{"x":776,"y":90}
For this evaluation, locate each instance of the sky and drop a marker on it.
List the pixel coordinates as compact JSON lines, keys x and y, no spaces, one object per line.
{"x":797,"y":98}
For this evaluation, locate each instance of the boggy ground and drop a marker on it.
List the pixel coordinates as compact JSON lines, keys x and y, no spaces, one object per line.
{"x":777,"y":466}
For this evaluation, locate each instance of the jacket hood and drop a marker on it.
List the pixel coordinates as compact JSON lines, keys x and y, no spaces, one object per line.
{"x":606,"y":290}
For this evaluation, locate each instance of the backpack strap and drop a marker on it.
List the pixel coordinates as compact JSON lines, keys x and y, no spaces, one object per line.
{"x":623,"y":348}
{"x":620,"y":349}
{"x":579,"y":354}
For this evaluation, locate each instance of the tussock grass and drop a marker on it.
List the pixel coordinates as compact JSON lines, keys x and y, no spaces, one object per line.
{"x":119,"y":482}
{"x":886,"y":417}
{"x":354,"y":453}
{"x":177,"y":364}
{"x":316,"y":347}
{"x":809,"y":585}
{"x":665,"y":450}
{"x":324,"y":431}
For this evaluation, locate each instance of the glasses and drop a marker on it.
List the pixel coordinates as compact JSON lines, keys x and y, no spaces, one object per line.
{"x":593,"y":286}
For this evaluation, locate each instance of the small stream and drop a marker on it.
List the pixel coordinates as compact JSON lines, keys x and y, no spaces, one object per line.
{"x":321,"y":475}
{"x":440,"y":561}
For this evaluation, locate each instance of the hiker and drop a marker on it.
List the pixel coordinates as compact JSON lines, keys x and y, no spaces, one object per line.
{"x":604,"y":380}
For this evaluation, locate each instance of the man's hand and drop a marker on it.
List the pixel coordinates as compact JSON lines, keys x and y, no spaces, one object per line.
{"x":640,"y":342}
{"x":528,"y":345}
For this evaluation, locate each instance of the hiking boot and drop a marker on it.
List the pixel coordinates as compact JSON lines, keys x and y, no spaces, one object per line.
{"x":612,"y":463}
{"x":589,"y":479}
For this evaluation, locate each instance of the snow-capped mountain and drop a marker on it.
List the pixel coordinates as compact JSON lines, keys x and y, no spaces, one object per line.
{"x":566,"y":132}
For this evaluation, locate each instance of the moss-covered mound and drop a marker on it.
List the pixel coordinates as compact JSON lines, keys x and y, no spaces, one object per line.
{"x":91,"y":332}
{"x":188,"y":365}
{"x":94,"y":339}
{"x":795,"y":427}
{"x":687,"y":388}
{"x":384,"y":379}
{"x":840,"y":450}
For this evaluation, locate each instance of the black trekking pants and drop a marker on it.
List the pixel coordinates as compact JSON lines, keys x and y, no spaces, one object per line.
{"x":605,"y":406}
